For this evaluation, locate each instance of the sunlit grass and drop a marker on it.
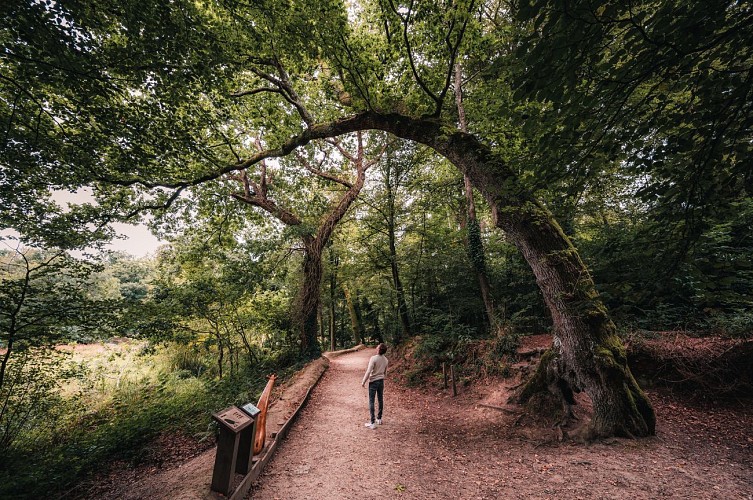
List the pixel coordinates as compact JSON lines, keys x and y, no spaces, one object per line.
{"x":117,"y":397}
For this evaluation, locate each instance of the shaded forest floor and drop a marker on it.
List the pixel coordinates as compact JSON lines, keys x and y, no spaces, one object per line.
{"x":433,"y":445}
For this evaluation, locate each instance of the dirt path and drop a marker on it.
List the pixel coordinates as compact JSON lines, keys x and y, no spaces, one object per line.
{"x":432,"y":446}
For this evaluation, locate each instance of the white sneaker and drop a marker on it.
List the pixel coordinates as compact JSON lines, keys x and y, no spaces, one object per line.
{"x":370,"y":425}
{"x":379,"y":421}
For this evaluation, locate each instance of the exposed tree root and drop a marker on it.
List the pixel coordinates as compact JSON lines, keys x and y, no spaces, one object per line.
{"x":622,"y":412}
{"x":546,"y":380}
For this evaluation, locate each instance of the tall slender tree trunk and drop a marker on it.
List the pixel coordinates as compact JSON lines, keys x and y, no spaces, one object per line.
{"x":13,"y":323}
{"x":377,"y":330}
{"x":402,"y":306}
{"x":371,"y":316}
{"x":220,"y":354}
{"x":332,"y":326}
{"x":475,"y":246}
{"x":355,"y":320}
{"x":8,"y":350}
{"x":341,"y":330}
{"x":320,"y":320}
{"x":332,"y":301}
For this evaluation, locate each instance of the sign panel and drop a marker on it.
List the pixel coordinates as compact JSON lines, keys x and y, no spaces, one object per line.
{"x":233,"y":418}
{"x":250,"y":409}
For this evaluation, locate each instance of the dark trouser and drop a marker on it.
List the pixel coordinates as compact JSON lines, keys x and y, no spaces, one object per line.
{"x":376,"y":388}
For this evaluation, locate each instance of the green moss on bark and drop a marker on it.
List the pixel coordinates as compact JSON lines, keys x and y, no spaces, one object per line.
{"x":537,"y":383}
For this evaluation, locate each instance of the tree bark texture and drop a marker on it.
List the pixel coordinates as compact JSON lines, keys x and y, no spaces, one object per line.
{"x":478,"y":261}
{"x":306,"y":306}
{"x":321,"y":323}
{"x":332,"y":299}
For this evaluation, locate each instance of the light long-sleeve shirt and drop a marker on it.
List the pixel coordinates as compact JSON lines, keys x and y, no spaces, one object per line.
{"x":376,"y":370}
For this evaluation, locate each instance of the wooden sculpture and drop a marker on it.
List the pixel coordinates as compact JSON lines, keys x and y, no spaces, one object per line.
{"x":261,"y":418}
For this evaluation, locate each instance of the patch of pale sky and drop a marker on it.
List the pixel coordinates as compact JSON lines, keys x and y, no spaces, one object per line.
{"x":137,"y":240}
{"x":134,"y":239}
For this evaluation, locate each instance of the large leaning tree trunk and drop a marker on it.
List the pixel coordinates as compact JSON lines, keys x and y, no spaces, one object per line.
{"x":306,"y":304}
{"x":587,"y":352}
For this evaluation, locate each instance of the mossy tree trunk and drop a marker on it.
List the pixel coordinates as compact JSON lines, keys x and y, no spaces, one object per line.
{"x":588,"y":350}
{"x":402,"y":305}
{"x":306,"y":309}
{"x":474,"y":244}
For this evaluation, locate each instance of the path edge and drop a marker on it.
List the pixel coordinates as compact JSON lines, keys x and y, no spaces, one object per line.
{"x":245,"y":486}
{"x":333,"y":354}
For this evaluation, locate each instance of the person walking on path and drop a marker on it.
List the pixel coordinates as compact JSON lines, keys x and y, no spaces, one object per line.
{"x":375,"y":374}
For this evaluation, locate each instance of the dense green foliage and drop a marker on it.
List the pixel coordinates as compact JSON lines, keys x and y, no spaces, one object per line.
{"x":629,"y":122}
{"x":611,"y":112}
{"x":652,"y":106}
{"x":66,"y":414}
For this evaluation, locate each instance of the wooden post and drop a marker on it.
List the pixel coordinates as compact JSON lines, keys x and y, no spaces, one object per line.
{"x":452,"y":374}
{"x":224,"y":464}
{"x":244,"y":460}
{"x":246,"y":445}
{"x":444,"y":374}
{"x":232,"y":421}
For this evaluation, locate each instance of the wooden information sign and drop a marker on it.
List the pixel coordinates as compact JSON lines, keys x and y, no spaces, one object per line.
{"x":232,"y":422}
{"x":233,"y":418}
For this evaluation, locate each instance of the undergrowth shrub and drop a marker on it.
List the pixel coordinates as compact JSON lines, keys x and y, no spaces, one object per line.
{"x":86,"y":431}
{"x":444,"y":341}
{"x":448,"y":341}
{"x":188,"y":358}
{"x":500,"y":354}
{"x":738,"y":324}
{"x":29,"y":401}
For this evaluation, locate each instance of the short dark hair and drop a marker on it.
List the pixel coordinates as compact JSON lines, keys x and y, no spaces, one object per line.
{"x":382,"y":348}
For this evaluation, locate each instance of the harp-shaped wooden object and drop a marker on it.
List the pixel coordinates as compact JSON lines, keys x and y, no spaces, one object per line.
{"x":261,"y":419}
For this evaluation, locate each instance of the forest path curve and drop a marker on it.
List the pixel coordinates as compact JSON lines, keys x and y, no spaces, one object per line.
{"x":433,"y":446}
